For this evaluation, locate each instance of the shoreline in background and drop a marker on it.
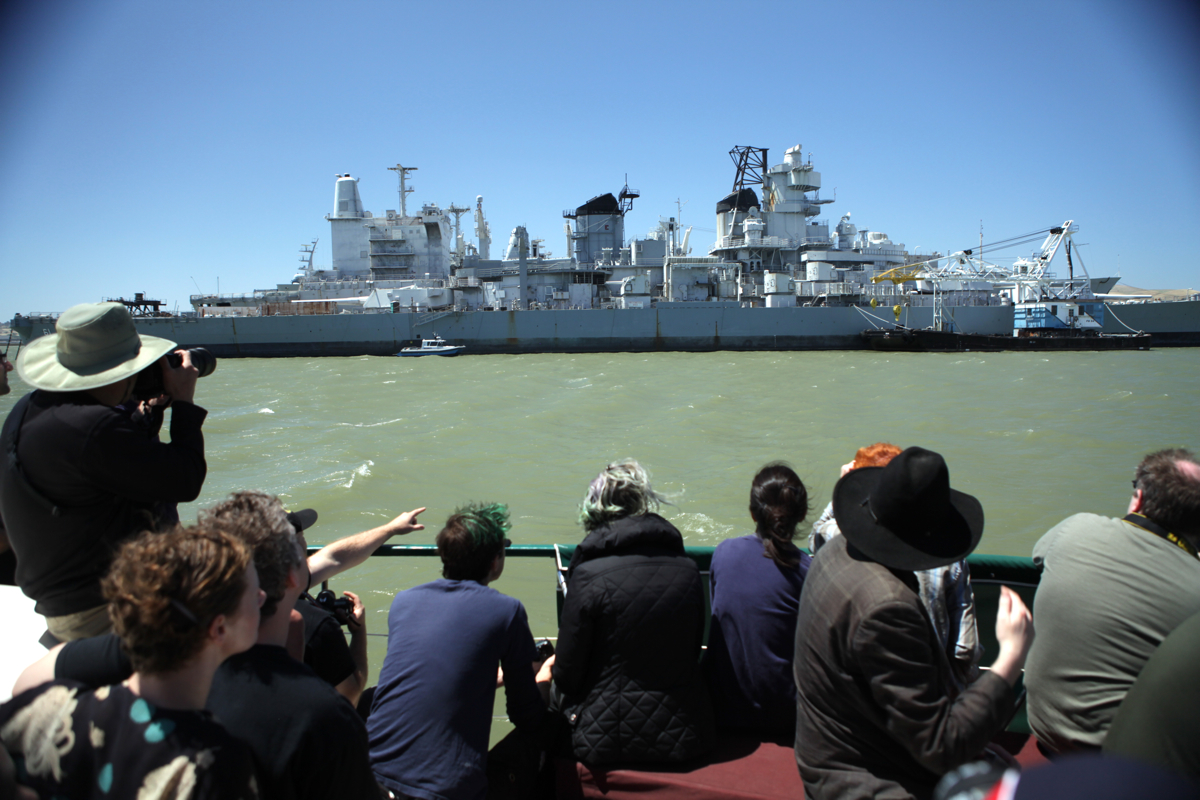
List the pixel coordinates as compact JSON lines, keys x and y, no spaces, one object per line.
{"x":1156,"y":294}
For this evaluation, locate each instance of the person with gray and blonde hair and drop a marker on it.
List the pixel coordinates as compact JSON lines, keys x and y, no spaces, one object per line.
{"x":626,"y":671}
{"x":621,"y":490}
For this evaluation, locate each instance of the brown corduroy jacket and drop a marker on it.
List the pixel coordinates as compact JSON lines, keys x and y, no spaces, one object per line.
{"x":876,"y":716}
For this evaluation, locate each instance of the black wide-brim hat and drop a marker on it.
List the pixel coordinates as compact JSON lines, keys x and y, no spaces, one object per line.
{"x":905,"y":515}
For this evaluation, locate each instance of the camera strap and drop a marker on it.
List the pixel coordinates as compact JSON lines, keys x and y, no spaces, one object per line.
{"x":1147,"y":524}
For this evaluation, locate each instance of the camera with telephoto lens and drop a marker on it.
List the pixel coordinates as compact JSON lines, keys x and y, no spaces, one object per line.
{"x":341,"y":607}
{"x":150,"y":380}
{"x":545,"y":649}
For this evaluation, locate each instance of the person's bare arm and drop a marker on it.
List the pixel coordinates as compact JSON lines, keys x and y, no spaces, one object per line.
{"x":295,"y":639}
{"x":339,"y":556}
{"x":39,"y":672}
{"x":352,"y":687}
{"x":545,"y":675}
{"x":1014,"y":632}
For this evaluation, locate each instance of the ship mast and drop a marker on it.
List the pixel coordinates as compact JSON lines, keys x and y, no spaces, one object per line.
{"x":306,"y":257}
{"x":482,"y":230}
{"x":405,"y":189}
{"x":459,"y":244}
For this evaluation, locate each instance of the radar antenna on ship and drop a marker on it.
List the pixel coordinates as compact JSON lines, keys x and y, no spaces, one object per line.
{"x":626,"y":197}
{"x":405,"y":189}
{"x":751,"y":165}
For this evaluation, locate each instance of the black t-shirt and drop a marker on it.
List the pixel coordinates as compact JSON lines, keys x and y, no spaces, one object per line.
{"x":69,"y":742}
{"x":325,"y":647}
{"x":309,"y":741}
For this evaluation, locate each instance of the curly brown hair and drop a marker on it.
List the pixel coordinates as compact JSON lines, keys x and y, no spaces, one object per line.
{"x":261,"y":522}
{"x":165,"y":589}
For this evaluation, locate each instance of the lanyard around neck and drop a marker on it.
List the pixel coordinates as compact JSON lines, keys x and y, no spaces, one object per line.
{"x":1147,"y":524}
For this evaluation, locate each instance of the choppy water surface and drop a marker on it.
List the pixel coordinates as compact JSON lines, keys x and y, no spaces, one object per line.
{"x":1034,"y":436}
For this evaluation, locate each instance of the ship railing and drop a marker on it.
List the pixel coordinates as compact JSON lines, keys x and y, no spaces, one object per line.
{"x":987,"y":572}
{"x":779,"y":242}
{"x":431,"y":316}
{"x":196,"y":298}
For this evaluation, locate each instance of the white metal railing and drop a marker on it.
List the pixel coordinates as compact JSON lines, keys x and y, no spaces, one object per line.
{"x":431,"y":316}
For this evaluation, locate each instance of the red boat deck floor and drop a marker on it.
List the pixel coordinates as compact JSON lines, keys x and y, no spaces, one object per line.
{"x":739,"y":769}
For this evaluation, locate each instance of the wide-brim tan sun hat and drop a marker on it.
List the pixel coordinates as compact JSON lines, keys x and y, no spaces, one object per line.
{"x":96,"y":344}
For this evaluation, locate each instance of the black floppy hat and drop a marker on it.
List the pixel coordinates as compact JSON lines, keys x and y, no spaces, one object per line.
{"x":905,"y":515}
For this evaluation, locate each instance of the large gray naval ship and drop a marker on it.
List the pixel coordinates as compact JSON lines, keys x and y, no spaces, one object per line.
{"x":777,"y":278}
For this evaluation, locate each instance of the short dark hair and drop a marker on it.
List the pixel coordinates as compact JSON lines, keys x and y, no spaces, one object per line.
{"x":165,"y":589}
{"x":1170,"y":495}
{"x":471,"y":539}
{"x":260,"y":521}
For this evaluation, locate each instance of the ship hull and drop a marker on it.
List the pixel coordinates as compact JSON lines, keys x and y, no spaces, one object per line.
{"x":1173,"y":323}
{"x":700,"y":327}
{"x":695,"y":327}
{"x":927,"y":341}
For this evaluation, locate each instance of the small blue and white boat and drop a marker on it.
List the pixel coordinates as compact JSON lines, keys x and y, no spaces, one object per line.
{"x":435,"y":346}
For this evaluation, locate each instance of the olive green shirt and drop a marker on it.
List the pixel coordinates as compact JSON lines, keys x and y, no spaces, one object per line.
{"x":1110,"y":593}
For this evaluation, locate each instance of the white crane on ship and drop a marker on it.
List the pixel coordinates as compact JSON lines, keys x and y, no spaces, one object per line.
{"x":1028,"y":281}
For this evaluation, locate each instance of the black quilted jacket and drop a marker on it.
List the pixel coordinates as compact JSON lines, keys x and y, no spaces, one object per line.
{"x":628,"y":647}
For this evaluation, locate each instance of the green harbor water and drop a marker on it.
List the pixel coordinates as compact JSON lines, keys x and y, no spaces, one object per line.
{"x":1035,"y":437}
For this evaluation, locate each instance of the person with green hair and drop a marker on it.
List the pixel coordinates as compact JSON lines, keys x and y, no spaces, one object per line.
{"x":626,"y":671}
{"x":432,"y":713}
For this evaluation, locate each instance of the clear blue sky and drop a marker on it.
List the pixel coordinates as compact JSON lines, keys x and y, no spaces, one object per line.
{"x":153,"y":146}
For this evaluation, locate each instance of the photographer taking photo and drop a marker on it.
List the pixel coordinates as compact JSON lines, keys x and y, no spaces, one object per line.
{"x":83,"y":468}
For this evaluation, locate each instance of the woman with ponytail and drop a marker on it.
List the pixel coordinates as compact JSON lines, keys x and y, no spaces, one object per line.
{"x":756,"y":583}
{"x":627,"y":672}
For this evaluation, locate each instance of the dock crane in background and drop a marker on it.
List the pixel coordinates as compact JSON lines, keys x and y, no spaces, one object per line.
{"x":1028,"y":280}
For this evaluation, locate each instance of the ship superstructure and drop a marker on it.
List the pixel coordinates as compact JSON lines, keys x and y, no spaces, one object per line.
{"x":777,"y":277}
{"x":769,"y":252}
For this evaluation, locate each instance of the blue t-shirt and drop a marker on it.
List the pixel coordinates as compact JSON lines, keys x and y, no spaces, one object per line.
{"x":752,"y":637}
{"x":432,"y":712}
